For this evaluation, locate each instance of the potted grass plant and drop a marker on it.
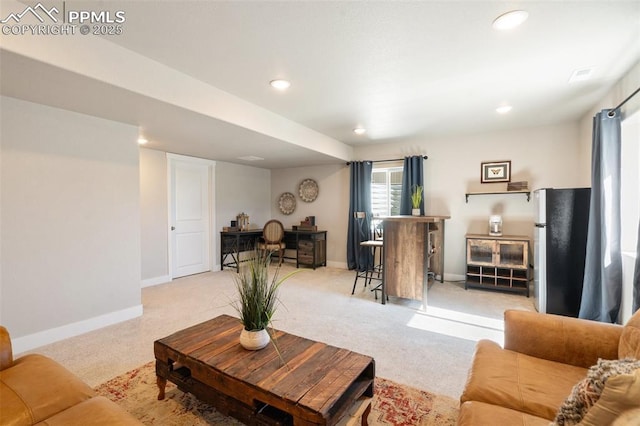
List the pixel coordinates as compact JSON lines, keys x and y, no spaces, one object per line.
{"x":416,"y":198}
{"x":257,"y":299}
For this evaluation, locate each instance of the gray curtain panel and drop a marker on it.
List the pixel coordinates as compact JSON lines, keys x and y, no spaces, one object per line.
{"x":412,"y":174}
{"x":359,"y":224}
{"x":602,"y":288}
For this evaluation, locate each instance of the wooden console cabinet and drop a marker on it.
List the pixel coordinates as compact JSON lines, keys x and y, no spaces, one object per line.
{"x":498,"y":263}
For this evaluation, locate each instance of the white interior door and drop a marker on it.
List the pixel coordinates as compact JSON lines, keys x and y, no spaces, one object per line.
{"x":190,"y":217}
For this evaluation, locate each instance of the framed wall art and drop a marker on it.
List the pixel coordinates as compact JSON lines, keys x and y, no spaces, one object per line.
{"x":495,"y":171}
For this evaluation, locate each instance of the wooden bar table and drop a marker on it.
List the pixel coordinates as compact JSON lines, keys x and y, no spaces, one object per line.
{"x":413,"y":248}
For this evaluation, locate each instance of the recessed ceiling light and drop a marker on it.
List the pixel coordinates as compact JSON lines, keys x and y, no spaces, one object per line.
{"x":142,"y":140}
{"x":503,"y":109}
{"x":359,"y":131}
{"x":280,"y":84}
{"x":510,"y":20}
{"x":581,"y":75}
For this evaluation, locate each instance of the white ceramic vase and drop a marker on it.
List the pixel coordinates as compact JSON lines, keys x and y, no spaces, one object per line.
{"x":254,"y":340}
{"x":415,"y":212}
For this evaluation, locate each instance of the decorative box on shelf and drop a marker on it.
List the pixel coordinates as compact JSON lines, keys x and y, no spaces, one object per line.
{"x":308,"y":224}
{"x":518,"y":186}
{"x":304,"y":227}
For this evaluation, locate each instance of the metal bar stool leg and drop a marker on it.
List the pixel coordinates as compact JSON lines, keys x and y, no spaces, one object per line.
{"x":360,"y":274}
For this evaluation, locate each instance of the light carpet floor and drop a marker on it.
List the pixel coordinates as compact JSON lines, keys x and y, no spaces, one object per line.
{"x":429,"y":350}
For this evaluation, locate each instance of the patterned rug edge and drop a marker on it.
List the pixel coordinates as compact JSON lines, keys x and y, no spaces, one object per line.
{"x":393,"y":403}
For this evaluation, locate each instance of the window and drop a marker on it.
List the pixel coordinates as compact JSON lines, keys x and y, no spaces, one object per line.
{"x":386,"y":189}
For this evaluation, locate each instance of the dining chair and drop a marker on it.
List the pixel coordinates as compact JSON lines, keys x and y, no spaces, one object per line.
{"x":272,"y":238}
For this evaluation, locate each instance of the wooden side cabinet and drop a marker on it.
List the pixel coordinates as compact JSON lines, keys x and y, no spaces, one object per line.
{"x":311,"y":248}
{"x":498,"y":263}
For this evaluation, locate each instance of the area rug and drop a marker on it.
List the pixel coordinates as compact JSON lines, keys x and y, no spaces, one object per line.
{"x":393,"y":403}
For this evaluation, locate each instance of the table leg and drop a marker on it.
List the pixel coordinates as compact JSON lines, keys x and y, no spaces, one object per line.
{"x":162,"y":383}
{"x":364,"y":421}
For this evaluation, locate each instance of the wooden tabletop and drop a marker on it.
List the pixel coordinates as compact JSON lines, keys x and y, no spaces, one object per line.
{"x":317,"y":382}
{"x":497,"y":237}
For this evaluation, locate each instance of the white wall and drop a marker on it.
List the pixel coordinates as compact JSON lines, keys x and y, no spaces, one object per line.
{"x":238,"y":189}
{"x":331,"y":208}
{"x":241,"y":189}
{"x":545,"y":156}
{"x":70,"y":222}
{"x":154,"y":216}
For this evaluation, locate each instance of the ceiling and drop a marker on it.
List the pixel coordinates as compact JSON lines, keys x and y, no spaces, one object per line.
{"x":403,"y":70}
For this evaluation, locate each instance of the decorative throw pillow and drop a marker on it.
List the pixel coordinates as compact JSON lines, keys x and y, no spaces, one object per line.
{"x":628,"y":418}
{"x":629,"y":346}
{"x":586,"y":393}
{"x":619,"y":403}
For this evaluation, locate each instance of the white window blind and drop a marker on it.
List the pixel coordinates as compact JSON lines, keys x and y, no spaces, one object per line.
{"x":386,"y":188}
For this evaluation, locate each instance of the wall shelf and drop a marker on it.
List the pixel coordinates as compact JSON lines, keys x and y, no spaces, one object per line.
{"x":526,"y":192}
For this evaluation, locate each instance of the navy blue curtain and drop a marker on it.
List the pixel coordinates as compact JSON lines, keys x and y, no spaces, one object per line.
{"x":360,"y":214}
{"x":412,"y":175}
{"x":602,"y":289}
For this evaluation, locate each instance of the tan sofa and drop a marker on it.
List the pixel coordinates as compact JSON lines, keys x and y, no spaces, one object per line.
{"x":544,"y":357}
{"x":35,"y":390}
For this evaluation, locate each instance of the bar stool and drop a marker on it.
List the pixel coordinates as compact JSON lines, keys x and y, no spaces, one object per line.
{"x":376,"y":269}
{"x":377,"y":231}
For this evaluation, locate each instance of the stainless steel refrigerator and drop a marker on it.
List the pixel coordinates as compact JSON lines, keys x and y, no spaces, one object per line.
{"x":560,"y":244}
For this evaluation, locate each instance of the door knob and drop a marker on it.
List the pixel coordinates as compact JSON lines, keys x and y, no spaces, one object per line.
{"x":173,"y":228}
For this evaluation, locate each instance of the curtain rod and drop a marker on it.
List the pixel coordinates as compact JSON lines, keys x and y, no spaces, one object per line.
{"x":613,"y":111}
{"x":424,"y":157}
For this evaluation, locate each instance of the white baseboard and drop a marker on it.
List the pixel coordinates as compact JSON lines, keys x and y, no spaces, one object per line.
{"x":32,"y":341}
{"x":340,"y":265}
{"x":149,"y":282}
{"x":454,"y":277}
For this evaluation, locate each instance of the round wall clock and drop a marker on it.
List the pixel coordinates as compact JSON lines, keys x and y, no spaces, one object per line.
{"x":308,"y":190}
{"x":287,"y":203}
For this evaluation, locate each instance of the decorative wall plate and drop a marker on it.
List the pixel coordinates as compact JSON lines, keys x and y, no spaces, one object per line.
{"x":287,"y":203}
{"x":308,"y":190}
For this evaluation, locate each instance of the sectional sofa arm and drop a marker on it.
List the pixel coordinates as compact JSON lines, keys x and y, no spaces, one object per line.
{"x":6,"y":353}
{"x":562,"y":339}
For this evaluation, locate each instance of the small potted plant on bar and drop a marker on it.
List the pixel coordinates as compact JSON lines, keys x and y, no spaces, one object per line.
{"x":257,"y":299}
{"x":416,"y":198}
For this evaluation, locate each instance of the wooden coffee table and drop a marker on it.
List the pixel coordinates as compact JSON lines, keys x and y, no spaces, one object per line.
{"x":318,"y":384}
